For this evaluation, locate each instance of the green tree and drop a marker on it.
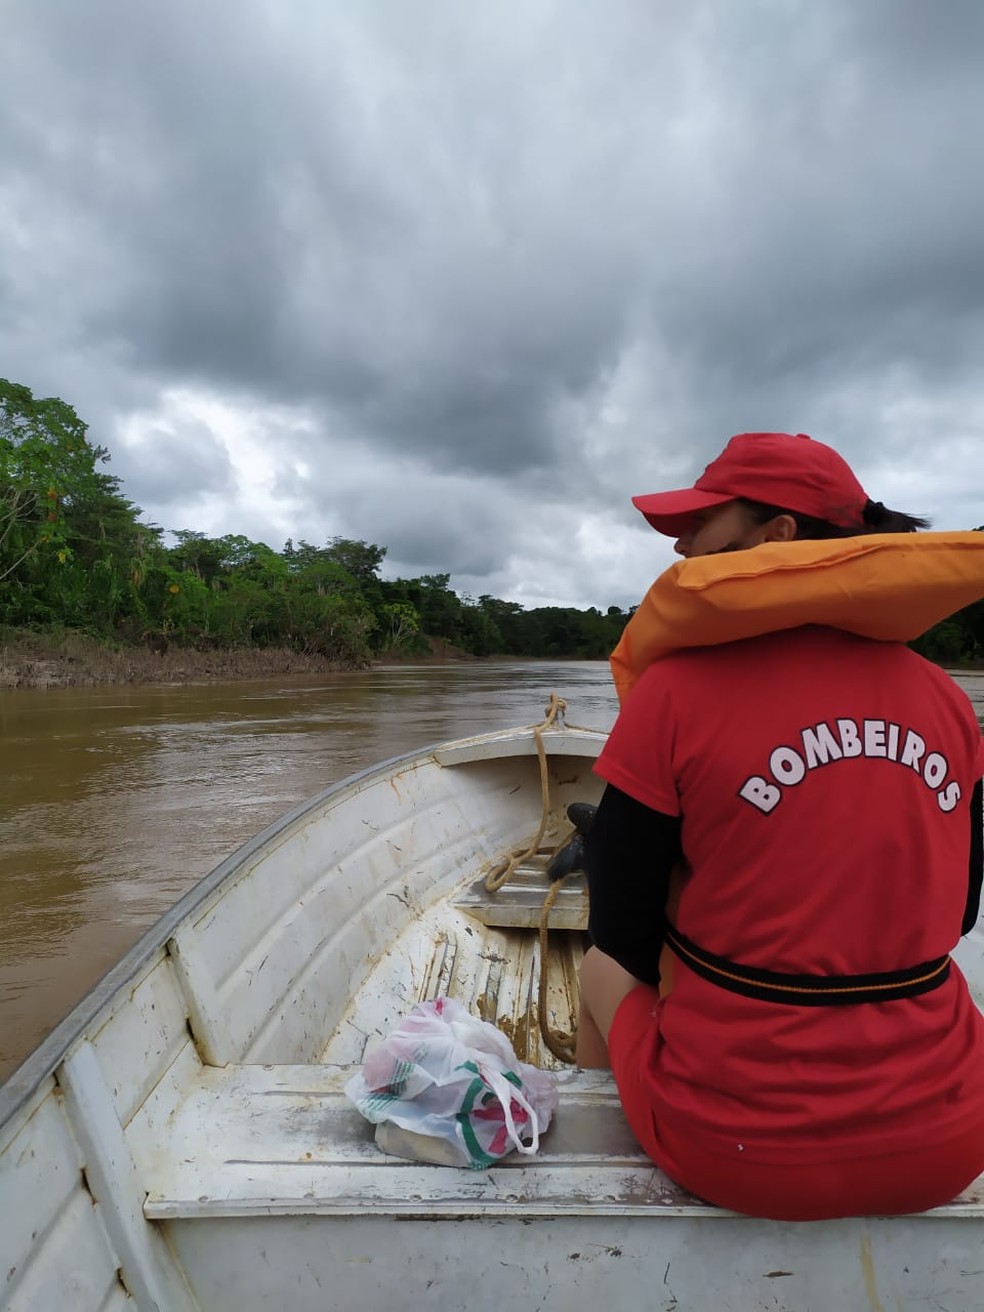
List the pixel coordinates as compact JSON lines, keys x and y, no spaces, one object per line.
{"x":203,"y":556}
{"x":68,"y":538}
{"x":400,"y":625}
{"x":506,"y":619}
{"x":360,"y":559}
{"x":44,"y":459}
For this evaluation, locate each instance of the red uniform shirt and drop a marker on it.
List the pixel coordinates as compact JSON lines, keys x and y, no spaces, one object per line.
{"x":823,"y":782}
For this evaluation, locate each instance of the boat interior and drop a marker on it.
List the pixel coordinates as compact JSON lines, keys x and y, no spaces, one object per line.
{"x":203,"y":1083}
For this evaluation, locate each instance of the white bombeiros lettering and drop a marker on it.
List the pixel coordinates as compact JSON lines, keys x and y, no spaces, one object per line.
{"x":950,"y":796}
{"x":822,"y":745}
{"x":850,"y":741}
{"x":787,"y":766}
{"x":874,"y":738}
{"x":893,"y":741}
{"x":913,"y":751}
{"x":765,"y":796}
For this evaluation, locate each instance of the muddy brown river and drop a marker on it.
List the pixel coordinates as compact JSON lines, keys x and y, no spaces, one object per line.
{"x":113,"y":802}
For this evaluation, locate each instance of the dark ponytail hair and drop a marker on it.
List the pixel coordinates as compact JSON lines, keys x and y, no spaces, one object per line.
{"x":876,"y":519}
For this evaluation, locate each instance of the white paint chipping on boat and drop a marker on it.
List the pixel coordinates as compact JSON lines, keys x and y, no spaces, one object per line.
{"x":182,"y":1140}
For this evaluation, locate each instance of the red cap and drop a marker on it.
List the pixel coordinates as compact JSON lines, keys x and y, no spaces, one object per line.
{"x":779,"y":469}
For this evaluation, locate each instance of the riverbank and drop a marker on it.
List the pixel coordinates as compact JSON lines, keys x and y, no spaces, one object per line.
{"x":76,"y":661}
{"x":73,"y":660}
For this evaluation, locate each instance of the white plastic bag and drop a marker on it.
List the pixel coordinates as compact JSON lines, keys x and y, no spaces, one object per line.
{"x":455,"y":1088}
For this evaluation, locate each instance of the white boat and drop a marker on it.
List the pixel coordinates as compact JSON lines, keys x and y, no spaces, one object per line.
{"x":182,"y":1141}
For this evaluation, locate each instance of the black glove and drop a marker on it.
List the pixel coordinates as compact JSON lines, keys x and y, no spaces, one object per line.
{"x":570,"y":857}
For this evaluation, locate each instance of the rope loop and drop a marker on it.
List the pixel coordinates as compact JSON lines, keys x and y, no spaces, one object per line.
{"x":554,"y":711}
{"x":499,"y":874}
{"x":559,"y":1043}
{"x":552,"y":714}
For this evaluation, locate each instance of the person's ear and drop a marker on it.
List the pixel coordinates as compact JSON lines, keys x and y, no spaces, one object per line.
{"x":780,"y":529}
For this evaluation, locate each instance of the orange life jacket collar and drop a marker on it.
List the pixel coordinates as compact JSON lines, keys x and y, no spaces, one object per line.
{"x":887,"y":586}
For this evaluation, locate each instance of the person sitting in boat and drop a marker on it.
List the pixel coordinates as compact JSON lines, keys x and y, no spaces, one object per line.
{"x":788,"y":1034}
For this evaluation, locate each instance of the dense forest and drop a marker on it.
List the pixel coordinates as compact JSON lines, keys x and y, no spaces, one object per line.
{"x":75,"y":555}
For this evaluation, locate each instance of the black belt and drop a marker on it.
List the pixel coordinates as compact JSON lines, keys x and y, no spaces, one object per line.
{"x":807,"y":990}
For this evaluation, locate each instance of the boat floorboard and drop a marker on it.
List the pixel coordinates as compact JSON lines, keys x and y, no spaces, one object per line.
{"x":492,"y":970}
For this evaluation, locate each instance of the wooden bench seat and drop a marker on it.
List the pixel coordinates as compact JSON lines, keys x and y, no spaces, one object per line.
{"x":518,"y":904}
{"x":269,"y":1140}
{"x":284,"y":1140}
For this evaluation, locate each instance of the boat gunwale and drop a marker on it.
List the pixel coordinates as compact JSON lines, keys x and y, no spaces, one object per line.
{"x":25,"y":1080}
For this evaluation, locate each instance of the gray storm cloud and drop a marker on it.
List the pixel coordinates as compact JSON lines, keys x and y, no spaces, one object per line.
{"x":559,"y":252}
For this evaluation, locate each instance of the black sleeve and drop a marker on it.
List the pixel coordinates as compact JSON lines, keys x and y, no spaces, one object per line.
{"x":629,"y":855}
{"x":972,"y":910}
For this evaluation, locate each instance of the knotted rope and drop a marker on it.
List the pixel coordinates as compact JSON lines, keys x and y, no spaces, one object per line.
{"x":498,"y":875}
{"x":559,"y":1042}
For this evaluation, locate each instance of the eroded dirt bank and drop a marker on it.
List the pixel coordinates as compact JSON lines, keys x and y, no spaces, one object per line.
{"x":72,"y":660}
{"x":36,"y":661}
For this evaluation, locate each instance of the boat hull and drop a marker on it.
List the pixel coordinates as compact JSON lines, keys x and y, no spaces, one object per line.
{"x":724,"y":1262}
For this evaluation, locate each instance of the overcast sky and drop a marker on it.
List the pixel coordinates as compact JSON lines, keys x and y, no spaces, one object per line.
{"x":461,"y":278}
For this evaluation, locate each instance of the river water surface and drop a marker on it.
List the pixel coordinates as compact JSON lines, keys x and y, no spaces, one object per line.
{"x":113,"y":802}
